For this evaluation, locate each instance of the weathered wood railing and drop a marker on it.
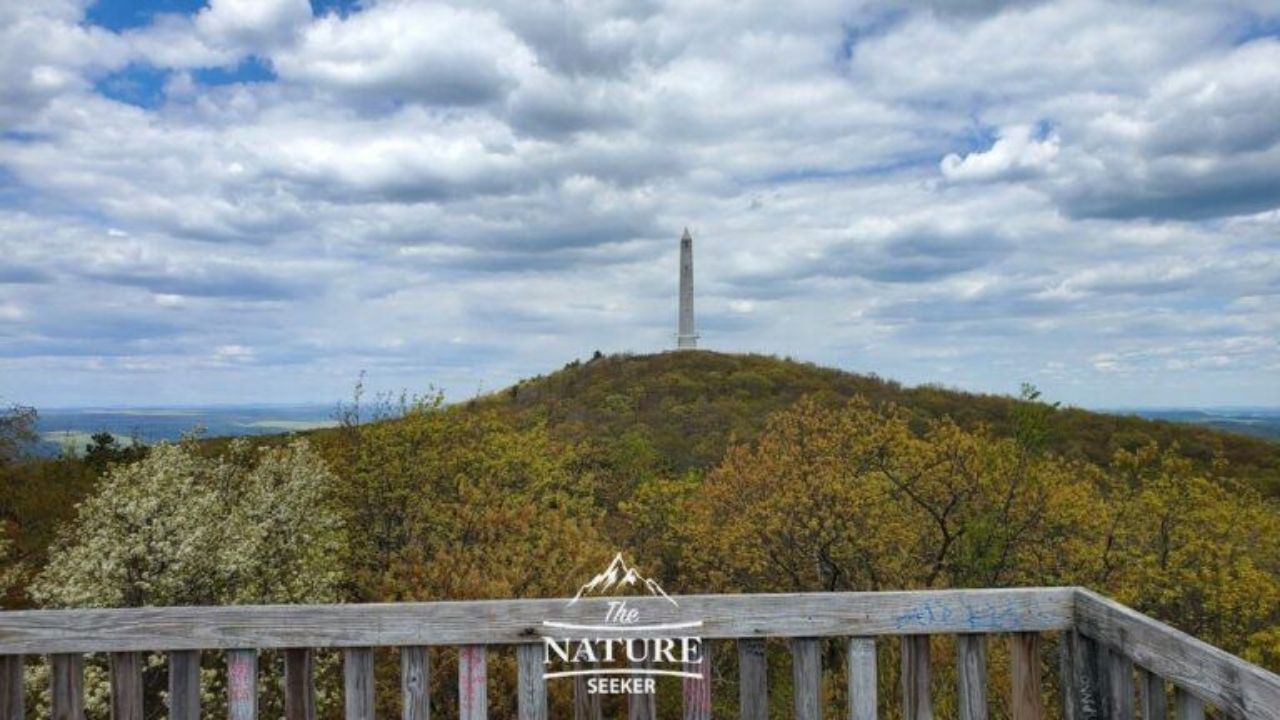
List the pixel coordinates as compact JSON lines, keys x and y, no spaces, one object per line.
{"x":1102,"y":643}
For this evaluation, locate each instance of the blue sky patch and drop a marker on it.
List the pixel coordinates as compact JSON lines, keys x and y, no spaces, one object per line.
{"x":124,"y":14}
{"x":137,"y":84}
{"x":1257,"y":28}
{"x":251,"y":69}
{"x":878,"y":25}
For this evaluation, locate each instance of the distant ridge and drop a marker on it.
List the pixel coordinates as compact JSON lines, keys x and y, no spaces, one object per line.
{"x":616,"y":575}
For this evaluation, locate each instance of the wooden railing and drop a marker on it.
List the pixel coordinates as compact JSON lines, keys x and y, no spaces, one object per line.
{"x":1105,"y":649}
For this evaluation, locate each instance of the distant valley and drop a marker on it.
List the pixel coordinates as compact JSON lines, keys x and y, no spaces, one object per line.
{"x":72,"y":427}
{"x":1259,"y":422}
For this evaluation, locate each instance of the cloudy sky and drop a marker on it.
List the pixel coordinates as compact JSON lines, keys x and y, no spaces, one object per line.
{"x":253,"y":200}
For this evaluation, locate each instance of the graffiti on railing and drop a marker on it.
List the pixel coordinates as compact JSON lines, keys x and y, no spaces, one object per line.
{"x":989,"y":616}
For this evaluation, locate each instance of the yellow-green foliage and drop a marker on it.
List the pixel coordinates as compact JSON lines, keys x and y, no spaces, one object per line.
{"x":852,"y":498}
{"x":461,"y":505}
{"x":716,"y":473}
{"x":690,"y":406}
{"x":458,"y":505}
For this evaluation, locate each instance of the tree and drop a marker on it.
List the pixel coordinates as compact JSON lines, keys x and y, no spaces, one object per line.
{"x":1198,"y":551}
{"x":105,"y":450}
{"x":1032,"y":419}
{"x":179,"y":528}
{"x":853,"y":499}
{"x":17,"y":432}
{"x":455,"y":504}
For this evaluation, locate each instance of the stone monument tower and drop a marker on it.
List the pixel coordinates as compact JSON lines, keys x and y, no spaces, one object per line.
{"x":686,"y":336}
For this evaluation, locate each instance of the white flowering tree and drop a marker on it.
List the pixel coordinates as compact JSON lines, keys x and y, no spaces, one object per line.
{"x":182,"y":528}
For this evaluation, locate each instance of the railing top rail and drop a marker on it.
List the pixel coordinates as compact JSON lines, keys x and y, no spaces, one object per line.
{"x":507,"y":622}
{"x":1239,"y":688}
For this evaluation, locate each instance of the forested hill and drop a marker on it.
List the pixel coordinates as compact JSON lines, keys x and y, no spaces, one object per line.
{"x":686,"y":408}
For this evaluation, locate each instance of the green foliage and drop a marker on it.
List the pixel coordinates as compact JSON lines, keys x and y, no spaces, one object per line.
{"x":105,"y":450}
{"x":252,"y":526}
{"x":718,"y":472}
{"x":178,"y":528}
{"x":854,"y":498}
{"x":693,"y":405}
{"x":455,"y":504}
{"x":17,"y":431}
{"x":1032,"y":419}
{"x":36,"y":499}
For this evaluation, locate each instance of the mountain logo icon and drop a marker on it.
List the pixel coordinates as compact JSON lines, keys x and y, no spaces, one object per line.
{"x":617,"y":576}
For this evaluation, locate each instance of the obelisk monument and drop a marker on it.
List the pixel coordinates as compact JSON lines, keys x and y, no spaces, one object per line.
{"x":686,"y":336}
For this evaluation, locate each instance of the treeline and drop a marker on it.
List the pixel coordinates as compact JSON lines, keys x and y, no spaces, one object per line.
{"x":715,"y":473}
{"x":690,"y":406}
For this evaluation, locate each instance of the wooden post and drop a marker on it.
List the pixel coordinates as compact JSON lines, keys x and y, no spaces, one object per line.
{"x":473,"y":683}
{"x":971,"y":660}
{"x":242,"y":684}
{"x":1155,"y":698}
{"x":586,"y":705}
{"x":415,"y":683}
{"x":184,"y":685}
{"x":357,"y":672}
{"x":299,"y":684}
{"x":1069,"y":674}
{"x":532,"y":686}
{"x":1120,"y":682}
{"x":1026,"y":702}
{"x":753,"y":680}
{"x":1187,"y":706}
{"x":68,"y":686}
{"x":697,"y":691}
{"x":126,"y":686}
{"x":806,"y":673}
{"x":642,"y":706}
{"x":862,"y":678}
{"x":1095,"y":695}
{"x":11,"y":690}
{"x":916,"y":701}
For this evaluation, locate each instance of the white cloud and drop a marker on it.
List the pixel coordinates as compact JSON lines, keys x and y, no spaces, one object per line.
{"x":252,"y":24}
{"x":1017,"y":154}
{"x":515,"y":174}
{"x":409,"y":51}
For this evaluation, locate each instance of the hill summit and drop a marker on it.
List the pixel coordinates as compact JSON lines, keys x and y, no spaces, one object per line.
{"x":685,"y":408}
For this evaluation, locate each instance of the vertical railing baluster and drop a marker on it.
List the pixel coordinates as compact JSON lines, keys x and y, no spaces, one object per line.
{"x":473,"y":683}
{"x":1026,"y":702}
{"x":1187,"y":706}
{"x":11,"y":690}
{"x":415,"y":683}
{"x":642,"y":706}
{"x":299,"y":684}
{"x":242,"y":684}
{"x":862,"y":678}
{"x":1095,"y":699}
{"x":697,"y":691}
{"x":971,"y":660}
{"x":1070,"y":672}
{"x":753,"y":680}
{"x":68,"y":686}
{"x":357,"y":674}
{"x":1155,"y":697}
{"x":586,"y":705}
{"x":184,"y":685}
{"x":126,"y":686}
{"x":806,"y":673}
{"x":532,"y":686}
{"x":1120,"y":682}
{"x":916,"y":701}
